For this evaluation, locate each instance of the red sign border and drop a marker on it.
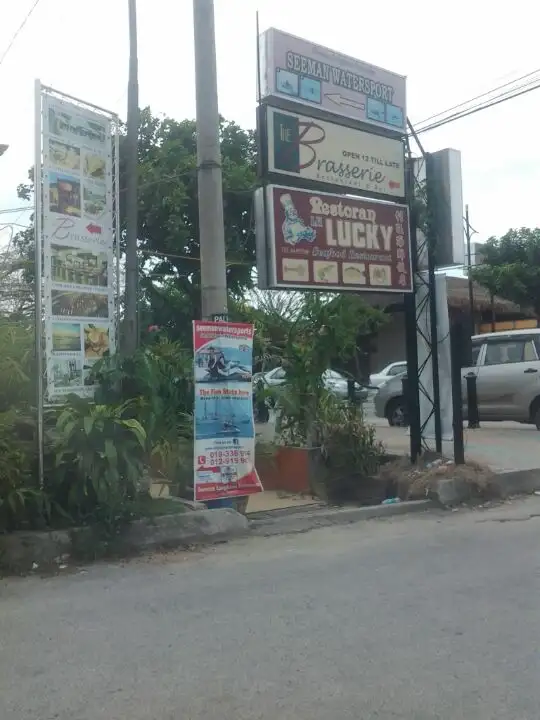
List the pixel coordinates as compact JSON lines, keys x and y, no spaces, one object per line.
{"x":271,"y":244}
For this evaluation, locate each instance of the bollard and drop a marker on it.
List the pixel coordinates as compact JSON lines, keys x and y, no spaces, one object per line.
{"x":472,"y":402}
{"x":405,"y":390}
{"x":456,"y":344}
{"x":351,"y":392}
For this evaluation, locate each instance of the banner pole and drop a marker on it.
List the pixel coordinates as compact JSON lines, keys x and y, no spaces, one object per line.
{"x":38,"y":190}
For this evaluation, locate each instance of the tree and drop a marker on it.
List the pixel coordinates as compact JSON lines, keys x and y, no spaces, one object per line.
{"x":168,"y":217}
{"x":281,"y":317}
{"x":511,"y":267}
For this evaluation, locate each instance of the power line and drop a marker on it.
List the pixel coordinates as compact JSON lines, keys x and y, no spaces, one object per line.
{"x":506,"y":95}
{"x":18,"y":31}
{"x":523,"y":89}
{"x":29,"y":208}
{"x":477,"y":97}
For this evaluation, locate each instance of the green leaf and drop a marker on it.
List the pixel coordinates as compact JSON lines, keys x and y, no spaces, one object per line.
{"x":110,"y":452}
{"x":137,"y":429}
{"x":88,"y":424}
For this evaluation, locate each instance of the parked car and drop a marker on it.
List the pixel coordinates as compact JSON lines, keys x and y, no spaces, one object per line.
{"x":334,"y":382}
{"x":507,"y":370}
{"x":395,"y":368}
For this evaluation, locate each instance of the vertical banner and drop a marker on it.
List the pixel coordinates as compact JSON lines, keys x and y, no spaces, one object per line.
{"x":79,"y":288}
{"x":224,"y":448}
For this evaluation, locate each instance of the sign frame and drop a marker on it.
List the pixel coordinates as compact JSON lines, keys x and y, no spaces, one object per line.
{"x":267,"y":256}
{"x":223,"y":421}
{"x":351,"y":152}
{"x":302,"y":72}
{"x":78,"y":234}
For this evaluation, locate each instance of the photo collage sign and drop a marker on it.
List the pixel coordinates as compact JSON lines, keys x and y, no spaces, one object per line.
{"x":78,"y":245}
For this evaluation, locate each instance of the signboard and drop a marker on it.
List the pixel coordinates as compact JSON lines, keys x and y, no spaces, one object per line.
{"x":311,"y":149}
{"x":333,"y":242}
{"x":316,"y":76}
{"x":224,"y":448}
{"x":77,"y":238}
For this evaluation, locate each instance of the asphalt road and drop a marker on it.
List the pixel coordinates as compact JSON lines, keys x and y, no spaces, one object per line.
{"x":419,"y":617}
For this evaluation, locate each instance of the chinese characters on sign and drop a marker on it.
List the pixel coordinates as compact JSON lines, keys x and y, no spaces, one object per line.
{"x":336,"y":242}
{"x":224,"y":448}
{"x":77,"y":237}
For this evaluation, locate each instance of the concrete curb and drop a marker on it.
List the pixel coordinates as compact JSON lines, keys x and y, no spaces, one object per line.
{"x":451,"y":492}
{"x":310,"y":520}
{"x":518,"y":482}
{"x":21,"y":552}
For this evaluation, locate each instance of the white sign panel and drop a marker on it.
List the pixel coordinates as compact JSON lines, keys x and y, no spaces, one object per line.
{"x":78,"y":253}
{"x":313,"y":75}
{"x":312,"y":149}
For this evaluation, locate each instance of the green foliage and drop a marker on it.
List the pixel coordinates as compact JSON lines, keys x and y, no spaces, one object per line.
{"x":317,"y":333}
{"x":511,"y":267}
{"x":21,"y":502}
{"x":169,"y":219}
{"x":159,"y":380}
{"x":16,"y":363}
{"x":99,"y":451}
{"x":350,"y":450}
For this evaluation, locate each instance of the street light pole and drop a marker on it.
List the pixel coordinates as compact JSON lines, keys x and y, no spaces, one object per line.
{"x":132,"y":135}
{"x":209,"y":175}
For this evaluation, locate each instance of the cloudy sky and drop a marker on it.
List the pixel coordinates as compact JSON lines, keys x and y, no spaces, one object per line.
{"x":449,"y":55}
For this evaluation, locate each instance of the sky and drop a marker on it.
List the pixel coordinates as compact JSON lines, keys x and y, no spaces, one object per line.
{"x":447,"y":55}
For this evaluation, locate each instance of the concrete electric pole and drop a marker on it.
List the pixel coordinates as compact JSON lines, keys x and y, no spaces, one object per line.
{"x":132,"y":139}
{"x":211,"y":226}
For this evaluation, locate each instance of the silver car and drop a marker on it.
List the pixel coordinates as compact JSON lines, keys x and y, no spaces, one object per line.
{"x":333,"y":381}
{"x":507,"y":370}
{"x":396,"y":368}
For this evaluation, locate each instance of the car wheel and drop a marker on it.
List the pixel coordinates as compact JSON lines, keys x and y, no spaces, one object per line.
{"x":396,"y":413}
{"x":536,"y":417}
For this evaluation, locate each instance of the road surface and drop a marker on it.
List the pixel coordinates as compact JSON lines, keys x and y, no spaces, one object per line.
{"x":419,"y":617}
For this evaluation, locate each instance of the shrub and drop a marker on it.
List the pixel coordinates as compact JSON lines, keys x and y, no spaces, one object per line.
{"x":350,"y":452}
{"x":99,"y":458}
{"x":21,"y":502}
{"x":157,"y":382}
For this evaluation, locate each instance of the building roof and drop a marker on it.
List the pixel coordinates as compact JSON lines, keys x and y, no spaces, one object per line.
{"x":457,"y":289}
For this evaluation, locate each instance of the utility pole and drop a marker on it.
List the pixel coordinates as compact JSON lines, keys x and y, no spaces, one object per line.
{"x":132,"y":136}
{"x":210,"y":191}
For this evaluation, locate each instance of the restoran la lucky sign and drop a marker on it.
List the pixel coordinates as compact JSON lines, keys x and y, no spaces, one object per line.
{"x":350,"y":226}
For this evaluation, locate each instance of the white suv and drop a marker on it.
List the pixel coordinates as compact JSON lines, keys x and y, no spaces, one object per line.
{"x":507,"y":370}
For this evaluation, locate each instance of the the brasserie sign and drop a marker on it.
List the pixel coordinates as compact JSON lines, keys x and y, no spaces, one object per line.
{"x":320,"y":151}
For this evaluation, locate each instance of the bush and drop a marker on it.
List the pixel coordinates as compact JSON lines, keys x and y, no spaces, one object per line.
{"x":21,"y":502}
{"x":99,"y":459}
{"x":350,"y":452}
{"x":157,"y":384}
